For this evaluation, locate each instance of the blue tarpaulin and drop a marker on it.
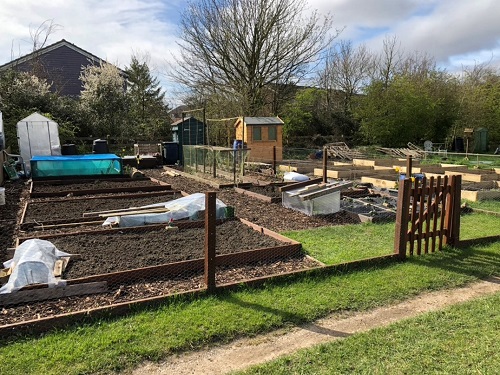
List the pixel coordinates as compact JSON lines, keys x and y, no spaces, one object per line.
{"x":75,"y":165}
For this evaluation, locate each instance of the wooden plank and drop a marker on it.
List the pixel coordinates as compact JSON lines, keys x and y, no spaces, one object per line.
{"x":414,"y":204}
{"x":145,"y":188}
{"x":429,"y":213}
{"x":209,"y":247}
{"x":455,"y":220}
{"x":64,"y":225}
{"x":23,"y":296}
{"x":300,"y":184}
{"x":435,"y":211}
{"x":444,"y":192}
{"x":421,"y":207}
{"x":402,"y":214}
{"x":137,"y":212}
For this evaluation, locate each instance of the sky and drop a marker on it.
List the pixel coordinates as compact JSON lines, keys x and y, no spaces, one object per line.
{"x":456,"y":33}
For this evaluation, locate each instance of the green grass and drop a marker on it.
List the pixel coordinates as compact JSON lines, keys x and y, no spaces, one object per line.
{"x":488,"y":205}
{"x":119,"y":344}
{"x":460,"y":340}
{"x":185,"y":323}
{"x":337,"y":244}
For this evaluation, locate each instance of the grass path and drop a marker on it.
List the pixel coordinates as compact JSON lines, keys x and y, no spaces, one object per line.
{"x":243,"y":353}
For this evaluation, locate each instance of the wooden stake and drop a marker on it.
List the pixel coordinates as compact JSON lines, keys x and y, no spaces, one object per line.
{"x":210,"y":242}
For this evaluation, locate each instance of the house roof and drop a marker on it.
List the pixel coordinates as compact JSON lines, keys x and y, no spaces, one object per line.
{"x":262,"y":121}
{"x":52,"y":47}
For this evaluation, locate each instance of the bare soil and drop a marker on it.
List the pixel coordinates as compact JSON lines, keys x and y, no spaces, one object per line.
{"x":269,"y":215}
{"x":44,"y":210}
{"x":119,"y":251}
{"x":102,"y":253}
{"x":47,"y":187}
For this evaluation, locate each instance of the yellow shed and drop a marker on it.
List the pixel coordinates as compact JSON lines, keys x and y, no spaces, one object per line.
{"x":260,"y":135}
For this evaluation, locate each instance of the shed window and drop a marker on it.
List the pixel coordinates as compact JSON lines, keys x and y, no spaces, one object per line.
{"x":257,"y":133}
{"x":272,"y":133}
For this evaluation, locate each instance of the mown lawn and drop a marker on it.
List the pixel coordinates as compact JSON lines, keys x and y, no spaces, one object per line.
{"x":462,"y":339}
{"x":332,"y":245}
{"x":184,"y":323}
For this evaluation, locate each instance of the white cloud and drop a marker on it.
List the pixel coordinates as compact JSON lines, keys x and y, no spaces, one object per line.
{"x":453,"y":31}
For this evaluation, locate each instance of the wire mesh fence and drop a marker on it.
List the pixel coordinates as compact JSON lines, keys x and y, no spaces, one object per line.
{"x":124,"y":247}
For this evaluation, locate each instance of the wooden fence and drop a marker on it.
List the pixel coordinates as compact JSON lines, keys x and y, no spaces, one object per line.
{"x":428,"y":215}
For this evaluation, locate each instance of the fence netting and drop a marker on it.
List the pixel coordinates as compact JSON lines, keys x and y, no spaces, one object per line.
{"x":217,"y":219}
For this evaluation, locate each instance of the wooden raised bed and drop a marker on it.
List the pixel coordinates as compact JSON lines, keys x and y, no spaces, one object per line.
{"x":150,"y":185}
{"x":290,"y":248}
{"x":85,"y":218}
{"x":46,"y":324}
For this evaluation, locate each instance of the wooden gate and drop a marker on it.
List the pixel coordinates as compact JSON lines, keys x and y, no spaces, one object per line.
{"x":428,"y":215}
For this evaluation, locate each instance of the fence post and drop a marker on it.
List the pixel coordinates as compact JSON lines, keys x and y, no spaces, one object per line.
{"x":456,"y":194}
{"x":325,"y":165}
{"x":402,"y":215}
{"x":214,"y":172}
{"x":210,"y":220}
{"x":409,"y":165}
{"x":274,"y":160}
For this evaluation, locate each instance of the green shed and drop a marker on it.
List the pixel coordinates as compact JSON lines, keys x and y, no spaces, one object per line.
{"x":188,"y":131}
{"x":480,"y":140}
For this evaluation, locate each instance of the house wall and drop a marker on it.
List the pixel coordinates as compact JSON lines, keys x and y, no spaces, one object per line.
{"x":61,"y":67}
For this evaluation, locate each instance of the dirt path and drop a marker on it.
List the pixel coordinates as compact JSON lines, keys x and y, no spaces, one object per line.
{"x":250,"y":351}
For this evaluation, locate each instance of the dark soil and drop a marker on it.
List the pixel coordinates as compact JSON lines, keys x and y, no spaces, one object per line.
{"x":46,"y":187}
{"x":107,"y":253}
{"x":119,"y":251}
{"x":267,"y":190}
{"x":147,"y":289}
{"x":269,"y":215}
{"x":9,"y":214}
{"x":41,"y":211}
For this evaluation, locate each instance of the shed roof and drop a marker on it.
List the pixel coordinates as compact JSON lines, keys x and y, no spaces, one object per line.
{"x":263,"y":121}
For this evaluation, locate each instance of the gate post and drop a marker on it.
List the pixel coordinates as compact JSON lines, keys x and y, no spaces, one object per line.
{"x":402,"y":217}
{"x":209,"y":250}
{"x":456,"y":194}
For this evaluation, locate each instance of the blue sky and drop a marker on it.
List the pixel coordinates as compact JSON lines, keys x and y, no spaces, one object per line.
{"x":454,"y":32}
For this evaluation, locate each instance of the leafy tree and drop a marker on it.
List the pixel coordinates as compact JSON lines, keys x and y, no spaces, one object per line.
{"x":240,"y":47}
{"x":22,"y":94}
{"x":407,"y":110}
{"x":148,"y":111}
{"x":105,"y":101}
{"x":301,"y":114}
{"x":479,"y":91}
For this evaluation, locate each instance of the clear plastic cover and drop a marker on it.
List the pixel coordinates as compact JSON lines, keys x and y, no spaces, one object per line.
{"x":183,"y":208}
{"x":33,"y":263}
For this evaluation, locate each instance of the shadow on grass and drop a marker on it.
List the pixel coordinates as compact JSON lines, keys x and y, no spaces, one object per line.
{"x":471,"y":260}
{"x":287,"y":317}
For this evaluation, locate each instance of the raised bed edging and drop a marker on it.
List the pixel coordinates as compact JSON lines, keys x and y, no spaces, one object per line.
{"x":261,"y":197}
{"x":29,"y":225}
{"x":47,"y":324}
{"x":157,"y":186}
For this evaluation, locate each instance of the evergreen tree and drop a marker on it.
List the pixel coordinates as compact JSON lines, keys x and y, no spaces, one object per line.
{"x":148,"y":110}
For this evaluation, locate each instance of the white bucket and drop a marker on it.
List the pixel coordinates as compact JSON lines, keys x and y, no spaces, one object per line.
{"x":2,"y":196}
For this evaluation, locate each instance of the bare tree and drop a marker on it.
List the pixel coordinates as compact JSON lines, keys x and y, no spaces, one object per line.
{"x":347,"y":70}
{"x":236,"y":48}
{"x":389,"y":61}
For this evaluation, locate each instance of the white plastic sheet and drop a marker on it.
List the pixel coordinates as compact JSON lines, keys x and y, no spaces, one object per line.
{"x":179,"y":209}
{"x":33,"y":263}
{"x":294,"y":176}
